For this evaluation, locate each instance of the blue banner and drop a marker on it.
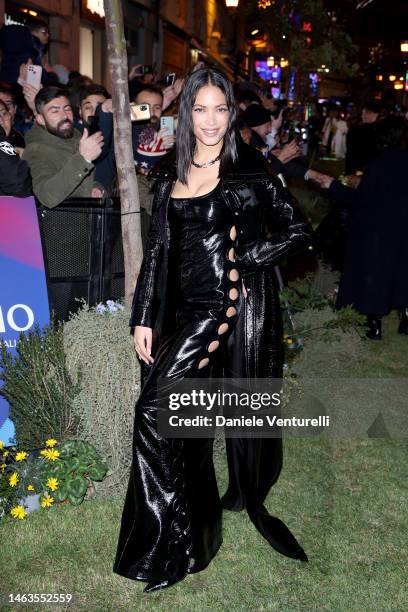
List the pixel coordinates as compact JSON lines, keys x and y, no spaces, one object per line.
{"x":23,"y":287}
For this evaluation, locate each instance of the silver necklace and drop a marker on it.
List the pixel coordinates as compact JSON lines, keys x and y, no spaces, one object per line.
{"x":206,"y":164}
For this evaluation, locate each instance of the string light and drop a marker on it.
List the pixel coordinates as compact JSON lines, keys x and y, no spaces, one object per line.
{"x":263,"y":4}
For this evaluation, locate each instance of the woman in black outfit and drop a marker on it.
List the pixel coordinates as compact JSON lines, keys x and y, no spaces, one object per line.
{"x":219,"y":221}
{"x":374,"y":278}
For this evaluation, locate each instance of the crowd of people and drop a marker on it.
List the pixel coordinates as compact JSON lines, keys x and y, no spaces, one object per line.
{"x":57,"y":142}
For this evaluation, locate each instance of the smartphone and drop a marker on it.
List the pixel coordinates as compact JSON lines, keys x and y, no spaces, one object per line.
{"x":169,"y":79}
{"x":167,"y":122}
{"x":139,"y":112}
{"x":93,"y":124}
{"x":34,"y":75}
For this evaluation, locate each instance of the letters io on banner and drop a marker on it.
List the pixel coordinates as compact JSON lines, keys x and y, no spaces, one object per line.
{"x":23,"y":290}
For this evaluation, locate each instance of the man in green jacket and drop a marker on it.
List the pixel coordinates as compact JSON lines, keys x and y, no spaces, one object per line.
{"x":60,"y":160}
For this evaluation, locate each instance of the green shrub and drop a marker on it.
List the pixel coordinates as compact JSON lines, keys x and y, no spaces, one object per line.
{"x":38,"y":387}
{"x":99,"y":350}
{"x":331,"y":342}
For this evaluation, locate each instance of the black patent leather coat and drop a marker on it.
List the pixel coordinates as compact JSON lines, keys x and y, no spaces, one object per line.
{"x":270,"y":227}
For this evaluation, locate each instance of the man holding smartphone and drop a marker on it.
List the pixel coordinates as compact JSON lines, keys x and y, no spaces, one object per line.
{"x":150,"y":141}
{"x":60,"y":159}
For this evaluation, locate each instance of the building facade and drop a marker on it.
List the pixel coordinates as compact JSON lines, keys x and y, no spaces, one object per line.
{"x":171,"y":35}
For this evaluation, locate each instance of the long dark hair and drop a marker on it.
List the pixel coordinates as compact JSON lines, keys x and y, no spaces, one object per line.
{"x":185,"y":140}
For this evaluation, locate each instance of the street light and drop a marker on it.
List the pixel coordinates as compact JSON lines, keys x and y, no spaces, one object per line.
{"x":404,"y":46}
{"x":233,"y":4}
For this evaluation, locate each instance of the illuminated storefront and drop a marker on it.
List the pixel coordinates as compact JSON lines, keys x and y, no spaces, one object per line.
{"x":61,"y":18}
{"x":92,"y":40}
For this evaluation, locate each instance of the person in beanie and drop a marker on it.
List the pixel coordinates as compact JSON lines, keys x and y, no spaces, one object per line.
{"x":262,"y":127}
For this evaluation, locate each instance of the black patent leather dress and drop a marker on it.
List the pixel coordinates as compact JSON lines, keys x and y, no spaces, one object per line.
{"x":171,"y":523}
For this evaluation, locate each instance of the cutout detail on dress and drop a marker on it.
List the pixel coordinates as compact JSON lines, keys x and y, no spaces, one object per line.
{"x":233,"y":274}
{"x":231,"y":254}
{"x":203,"y":362}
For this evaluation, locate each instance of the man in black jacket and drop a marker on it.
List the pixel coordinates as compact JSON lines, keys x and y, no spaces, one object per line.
{"x":362,"y":140}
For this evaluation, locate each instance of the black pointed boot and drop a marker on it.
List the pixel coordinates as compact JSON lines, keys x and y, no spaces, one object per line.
{"x":374,"y":327}
{"x":403,"y":326}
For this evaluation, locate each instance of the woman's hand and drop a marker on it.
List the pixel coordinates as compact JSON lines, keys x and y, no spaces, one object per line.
{"x":323,"y":180}
{"x":288,"y":152}
{"x":171,"y":92}
{"x":142,"y":339}
{"x":353,"y":180}
{"x":168,"y":139}
{"x":29,"y":92}
{"x":277,"y":123}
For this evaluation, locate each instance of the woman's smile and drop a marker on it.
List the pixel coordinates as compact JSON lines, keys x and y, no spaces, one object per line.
{"x":210,"y":132}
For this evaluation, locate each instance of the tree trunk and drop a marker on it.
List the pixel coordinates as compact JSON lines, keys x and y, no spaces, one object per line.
{"x":129,"y":193}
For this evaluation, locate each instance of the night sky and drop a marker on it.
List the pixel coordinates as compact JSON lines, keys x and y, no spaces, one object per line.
{"x":381,"y":20}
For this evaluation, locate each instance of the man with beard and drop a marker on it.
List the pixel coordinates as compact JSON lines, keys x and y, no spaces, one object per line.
{"x":95,"y":113}
{"x":150,"y":143}
{"x":60,"y":160}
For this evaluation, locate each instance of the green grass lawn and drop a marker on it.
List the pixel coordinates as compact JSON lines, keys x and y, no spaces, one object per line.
{"x":345,"y":500}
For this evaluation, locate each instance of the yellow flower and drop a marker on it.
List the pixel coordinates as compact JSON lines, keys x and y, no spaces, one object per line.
{"x":47,"y":501}
{"x":52,"y":483}
{"x":30,"y":488}
{"x":5,"y":454}
{"x":21,"y":456}
{"x":13,"y":480}
{"x":50,"y":442}
{"x":18,"y":512}
{"x":1,"y":444}
{"x":289,"y":341}
{"x":3,"y":467}
{"x":50,"y":453}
